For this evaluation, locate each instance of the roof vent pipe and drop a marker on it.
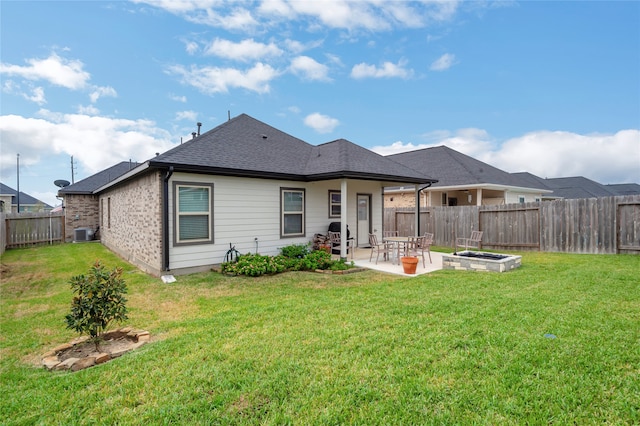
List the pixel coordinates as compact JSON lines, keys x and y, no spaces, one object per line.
{"x":193,"y":135}
{"x":199,"y":125}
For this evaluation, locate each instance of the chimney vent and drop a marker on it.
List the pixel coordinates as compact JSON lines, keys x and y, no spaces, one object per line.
{"x":199,"y":125}
{"x":193,"y":135}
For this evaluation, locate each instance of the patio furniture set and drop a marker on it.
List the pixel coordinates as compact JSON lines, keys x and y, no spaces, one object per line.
{"x":393,"y":245}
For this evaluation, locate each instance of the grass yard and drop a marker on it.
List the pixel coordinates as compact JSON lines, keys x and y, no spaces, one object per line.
{"x":302,"y":348}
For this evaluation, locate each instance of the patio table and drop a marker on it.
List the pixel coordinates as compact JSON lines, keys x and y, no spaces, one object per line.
{"x":397,"y":241}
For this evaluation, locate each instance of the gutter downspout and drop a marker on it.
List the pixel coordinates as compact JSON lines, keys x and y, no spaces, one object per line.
{"x":165,"y":219}
{"x":418,"y":206}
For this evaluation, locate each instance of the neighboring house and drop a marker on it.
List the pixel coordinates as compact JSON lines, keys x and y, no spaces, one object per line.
{"x":243,"y":184}
{"x":624,"y":188}
{"x":462,"y":181}
{"x":579,"y":187}
{"x":9,"y":201}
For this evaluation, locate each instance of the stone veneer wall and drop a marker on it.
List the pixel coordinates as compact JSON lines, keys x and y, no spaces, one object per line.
{"x":132,"y":221}
{"x":452,"y":261}
{"x":80,"y":211}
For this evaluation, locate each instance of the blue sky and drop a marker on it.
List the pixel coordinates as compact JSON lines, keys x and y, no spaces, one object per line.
{"x":552,"y":88}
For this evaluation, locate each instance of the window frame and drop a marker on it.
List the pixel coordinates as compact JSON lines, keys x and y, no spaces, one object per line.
{"x":176,"y":214}
{"x":339,"y":204}
{"x":283,"y":190}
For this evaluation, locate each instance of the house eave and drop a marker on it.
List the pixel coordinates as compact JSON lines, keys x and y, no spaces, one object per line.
{"x":289,"y":176}
{"x":131,"y":173}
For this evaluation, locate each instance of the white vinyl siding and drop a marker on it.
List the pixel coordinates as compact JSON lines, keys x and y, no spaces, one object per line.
{"x":247,"y":214}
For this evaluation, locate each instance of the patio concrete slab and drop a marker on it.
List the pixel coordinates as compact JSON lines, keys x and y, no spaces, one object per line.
{"x":361,"y":259}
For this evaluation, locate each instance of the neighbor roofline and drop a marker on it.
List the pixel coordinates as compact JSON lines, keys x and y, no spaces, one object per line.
{"x":491,"y":186}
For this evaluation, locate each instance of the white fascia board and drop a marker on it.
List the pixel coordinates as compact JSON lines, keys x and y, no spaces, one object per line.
{"x":139,"y":169}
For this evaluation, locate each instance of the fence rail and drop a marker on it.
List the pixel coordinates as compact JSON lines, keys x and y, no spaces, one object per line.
{"x":29,"y":229}
{"x":587,"y":225}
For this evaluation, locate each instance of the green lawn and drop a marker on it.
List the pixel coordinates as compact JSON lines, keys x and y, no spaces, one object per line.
{"x":303,"y":348}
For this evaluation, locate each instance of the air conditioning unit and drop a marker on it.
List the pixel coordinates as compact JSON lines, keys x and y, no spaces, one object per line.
{"x":82,"y":234}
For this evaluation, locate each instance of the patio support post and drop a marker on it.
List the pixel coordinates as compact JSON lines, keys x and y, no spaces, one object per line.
{"x":416,"y":226}
{"x":343,"y":219}
{"x":479,"y":197}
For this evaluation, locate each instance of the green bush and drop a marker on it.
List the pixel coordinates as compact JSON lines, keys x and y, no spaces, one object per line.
{"x":295,"y":257}
{"x":295,"y":251}
{"x":99,"y":300}
{"x":254,"y":265}
{"x":318,"y":259}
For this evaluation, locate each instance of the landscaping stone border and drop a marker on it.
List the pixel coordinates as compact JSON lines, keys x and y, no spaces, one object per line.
{"x":52,"y":361}
{"x":342,"y":272}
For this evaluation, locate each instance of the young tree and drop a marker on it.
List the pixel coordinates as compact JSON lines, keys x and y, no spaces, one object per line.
{"x":99,"y":300}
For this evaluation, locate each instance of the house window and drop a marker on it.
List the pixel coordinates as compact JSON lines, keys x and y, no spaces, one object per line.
{"x":292,"y":212}
{"x":108,"y":212}
{"x":444,"y":199}
{"x":521,"y":199}
{"x":193,"y":213}
{"x":335,"y":203}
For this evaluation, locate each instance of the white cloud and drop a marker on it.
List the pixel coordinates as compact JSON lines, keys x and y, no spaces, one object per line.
{"x":95,"y":142}
{"x":37,"y":96}
{"x":321,"y":123}
{"x":191,"y":47}
{"x":88,"y":110}
{"x":99,"y":92}
{"x":368,"y":15}
{"x":605,"y":158}
{"x":443,"y":63}
{"x":246,"y":50}
{"x":237,"y":19}
{"x":309,"y":69}
{"x":187,"y":115}
{"x":212,"y":80}
{"x":387,"y":70}
{"x":470,"y":141}
{"x":54,"y":69}
{"x":178,"y":98}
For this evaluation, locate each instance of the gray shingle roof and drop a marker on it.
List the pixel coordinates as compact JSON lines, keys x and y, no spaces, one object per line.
{"x":580,"y":187}
{"x":25,"y":199}
{"x":453,"y":168}
{"x":624,"y":188}
{"x":93,"y":182}
{"x":244,"y":146}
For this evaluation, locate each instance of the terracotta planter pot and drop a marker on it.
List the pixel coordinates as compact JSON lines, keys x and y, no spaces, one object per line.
{"x":409,"y":264}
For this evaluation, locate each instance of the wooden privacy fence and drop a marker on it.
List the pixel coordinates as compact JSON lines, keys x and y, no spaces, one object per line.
{"x":587,"y":225}
{"x":27,"y":229}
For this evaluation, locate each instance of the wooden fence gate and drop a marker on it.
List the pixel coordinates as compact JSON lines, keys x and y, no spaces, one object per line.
{"x":628,"y":233}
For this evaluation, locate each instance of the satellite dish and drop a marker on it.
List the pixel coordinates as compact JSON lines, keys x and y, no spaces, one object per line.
{"x":61,"y":183}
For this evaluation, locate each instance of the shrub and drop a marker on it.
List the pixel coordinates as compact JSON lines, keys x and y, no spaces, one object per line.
{"x":254,"y":265}
{"x":295,"y":251}
{"x":318,"y":259}
{"x":340,"y":265}
{"x":99,"y":300}
{"x":295,"y":257}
